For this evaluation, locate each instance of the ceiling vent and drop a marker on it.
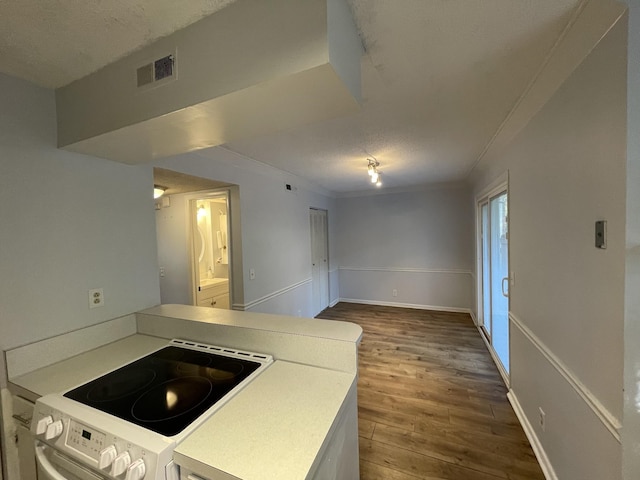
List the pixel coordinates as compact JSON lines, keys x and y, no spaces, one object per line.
{"x":155,"y":71}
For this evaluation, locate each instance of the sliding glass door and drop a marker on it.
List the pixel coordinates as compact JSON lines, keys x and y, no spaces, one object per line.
{"x":494,"y":263}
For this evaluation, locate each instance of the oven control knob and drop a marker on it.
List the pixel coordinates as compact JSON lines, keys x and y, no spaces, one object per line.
{"x":43,"y":423}
{"x":120,"y":464}
{"x":54,"y":430}
{"x":107,"y":456}
{"x":136,"y":470}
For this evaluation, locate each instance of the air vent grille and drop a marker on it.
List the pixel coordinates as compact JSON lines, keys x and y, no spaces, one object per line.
{"x":145,"y":75}
{"x":160,"y":69}
{"x":163,"y":67}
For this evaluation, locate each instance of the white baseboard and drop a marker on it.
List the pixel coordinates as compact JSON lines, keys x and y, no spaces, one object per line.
{"x":541,"y":455}
{"x":406,"y":305}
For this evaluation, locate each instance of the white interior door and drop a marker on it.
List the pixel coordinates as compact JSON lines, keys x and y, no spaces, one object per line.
{"x":494,"y":256}
{"x":319,"y":260}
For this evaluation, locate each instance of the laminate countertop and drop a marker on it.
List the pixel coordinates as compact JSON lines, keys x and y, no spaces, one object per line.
{"x":275,"y":428}
{"x":278,"y":426}
{"x":71,"y":372}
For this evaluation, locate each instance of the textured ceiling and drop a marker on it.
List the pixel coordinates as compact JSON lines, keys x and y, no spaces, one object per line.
{"x":53,"y":42}
{"x":439,"y":77}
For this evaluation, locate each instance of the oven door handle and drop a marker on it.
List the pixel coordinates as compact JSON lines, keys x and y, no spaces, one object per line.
{"x":43,"y":462}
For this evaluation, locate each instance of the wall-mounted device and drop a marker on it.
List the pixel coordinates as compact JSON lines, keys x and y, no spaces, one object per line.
{"x":601,"y":234}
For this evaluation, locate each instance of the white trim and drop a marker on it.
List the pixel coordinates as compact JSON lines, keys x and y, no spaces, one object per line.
{"x":406,"y":305}
{"x":541,"y":455}
{"x":606,"y":417}
{"x":334,"y":303}
{"x":495,"y":186}
{"x":406,"y":269}
{"x":272,"y":295}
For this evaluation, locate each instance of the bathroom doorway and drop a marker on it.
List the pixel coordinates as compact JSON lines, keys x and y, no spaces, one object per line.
{"x":211,"y":250}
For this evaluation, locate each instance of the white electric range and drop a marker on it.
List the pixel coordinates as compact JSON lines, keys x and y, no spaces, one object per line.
{"x":124,"y":425}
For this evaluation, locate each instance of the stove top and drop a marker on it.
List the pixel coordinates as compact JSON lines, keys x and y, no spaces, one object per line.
{"x":168,"y":389}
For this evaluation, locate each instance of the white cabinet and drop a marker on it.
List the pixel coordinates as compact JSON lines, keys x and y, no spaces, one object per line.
{"x":21,"y":454}
{"x":215,"y":295}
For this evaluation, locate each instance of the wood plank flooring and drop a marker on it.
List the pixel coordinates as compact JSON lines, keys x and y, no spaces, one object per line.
{"x":431,"y":402}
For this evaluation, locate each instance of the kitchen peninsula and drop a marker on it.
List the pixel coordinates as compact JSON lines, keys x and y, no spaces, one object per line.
{"x":297,"y":419}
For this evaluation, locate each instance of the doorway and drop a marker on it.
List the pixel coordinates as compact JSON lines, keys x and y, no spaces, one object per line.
{"x":210,"y":250}
{"x":319,"y":262}
{"x":493,"y":255}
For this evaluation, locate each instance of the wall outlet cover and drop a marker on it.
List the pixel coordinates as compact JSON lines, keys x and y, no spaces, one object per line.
{"x":96,"y":298}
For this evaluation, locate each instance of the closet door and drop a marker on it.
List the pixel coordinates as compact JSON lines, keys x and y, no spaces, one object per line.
{"x":319,"y":260}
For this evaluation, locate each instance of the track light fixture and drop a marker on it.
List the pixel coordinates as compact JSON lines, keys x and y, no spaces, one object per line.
{"x":372,"y":170}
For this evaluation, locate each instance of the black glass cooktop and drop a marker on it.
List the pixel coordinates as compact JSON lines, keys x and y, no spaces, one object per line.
{"x":166,"y":390}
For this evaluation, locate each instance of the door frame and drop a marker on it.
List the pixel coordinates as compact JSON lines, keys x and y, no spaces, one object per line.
{"x":499,"y":186}
{"x":191,"y":202}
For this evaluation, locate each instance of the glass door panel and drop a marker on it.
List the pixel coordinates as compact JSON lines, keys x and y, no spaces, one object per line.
{"x":486,"y":271}
{"x":499,"y":266}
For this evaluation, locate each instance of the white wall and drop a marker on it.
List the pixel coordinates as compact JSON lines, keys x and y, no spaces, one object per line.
{"x":275,"y":228}
{"x":70,"y":223}
{"x":417,"y":242}
{"x":631,"y":430}
{"x":566,"y":171}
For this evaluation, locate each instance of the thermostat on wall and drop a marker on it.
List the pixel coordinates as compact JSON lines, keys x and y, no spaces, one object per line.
{"x":601,"y":234}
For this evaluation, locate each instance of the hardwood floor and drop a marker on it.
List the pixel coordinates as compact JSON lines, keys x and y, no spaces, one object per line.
{"x":431,"y":402}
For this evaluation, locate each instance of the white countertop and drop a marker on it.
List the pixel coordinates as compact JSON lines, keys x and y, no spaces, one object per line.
{"x":273,"y":429}
{"x":277,"y":426}
{"x":74,"y":371}
{"x":209,"y":282}
{"x":311,"y":327}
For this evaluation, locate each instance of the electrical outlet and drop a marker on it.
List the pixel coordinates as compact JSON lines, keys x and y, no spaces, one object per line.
{"x":252,"y":274}
{"x":395,"y":292}
{"x":96,"y":298}
{"x":162,"y":272}
{"x":542,"y":419}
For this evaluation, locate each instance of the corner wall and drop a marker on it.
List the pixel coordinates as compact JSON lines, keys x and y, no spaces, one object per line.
{"x":566,"y":171}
